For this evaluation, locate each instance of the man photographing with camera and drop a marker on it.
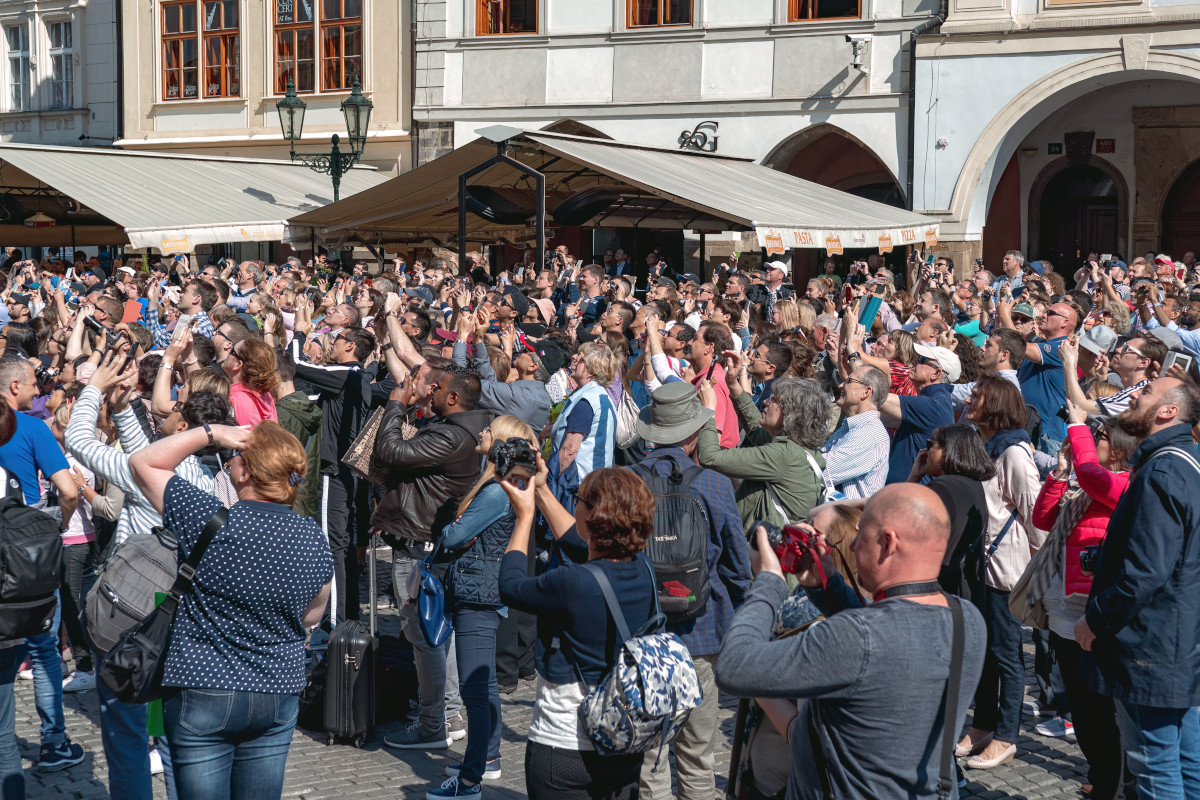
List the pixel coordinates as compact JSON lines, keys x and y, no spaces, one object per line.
{"x":867,"y":668}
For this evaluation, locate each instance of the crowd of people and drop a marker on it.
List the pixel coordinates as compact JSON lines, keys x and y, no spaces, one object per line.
{"x":887,"y":474}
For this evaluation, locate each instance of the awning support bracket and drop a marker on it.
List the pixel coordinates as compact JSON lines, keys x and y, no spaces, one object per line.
{"x":501,"y":157}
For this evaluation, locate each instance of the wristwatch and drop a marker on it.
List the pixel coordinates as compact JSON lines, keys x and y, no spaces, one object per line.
{"x":208,"y":431}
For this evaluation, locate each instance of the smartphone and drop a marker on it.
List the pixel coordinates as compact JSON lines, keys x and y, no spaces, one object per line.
{"x":184,"y":321}
{"x":1173,"y":358}
{"x":866,"y":314}
{"x":1106,"y":256}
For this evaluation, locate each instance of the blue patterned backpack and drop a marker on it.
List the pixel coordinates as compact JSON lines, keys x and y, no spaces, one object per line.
{"x":646,"y":697}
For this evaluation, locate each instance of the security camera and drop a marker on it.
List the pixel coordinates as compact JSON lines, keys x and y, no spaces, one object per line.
{"x":859,"y":42}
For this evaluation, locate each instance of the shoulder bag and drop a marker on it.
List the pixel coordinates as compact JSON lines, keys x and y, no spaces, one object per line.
{"x":360,"y":456}
{"x":133,"y":668}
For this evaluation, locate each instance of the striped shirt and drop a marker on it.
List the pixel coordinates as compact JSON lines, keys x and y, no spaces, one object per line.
{"x":1113,"y":405}
{"x":137,"y":515}
{"x":856,"y":455}
{"x":162,"y":336}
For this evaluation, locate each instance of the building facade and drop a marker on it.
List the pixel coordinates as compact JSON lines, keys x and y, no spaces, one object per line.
{"x":1061,"y":128}
{"x":203,"y":76}
{"x":59,"y":84}
{"x":818,"y":88}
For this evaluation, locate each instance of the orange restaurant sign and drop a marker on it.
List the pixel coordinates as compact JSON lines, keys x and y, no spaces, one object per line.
{"x":885,"y":243}
{"x":833,"y":243}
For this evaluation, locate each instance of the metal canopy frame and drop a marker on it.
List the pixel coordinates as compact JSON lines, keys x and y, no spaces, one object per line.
{"x":501,"y":157}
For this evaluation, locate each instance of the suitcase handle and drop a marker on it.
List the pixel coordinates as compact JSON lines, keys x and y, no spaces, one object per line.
{"x":373,"y":542}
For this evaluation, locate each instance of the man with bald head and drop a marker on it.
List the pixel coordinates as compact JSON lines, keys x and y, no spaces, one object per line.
{"x":1041,"y":375}
{"x":867,"y":668}
{"x":1142,"y":623}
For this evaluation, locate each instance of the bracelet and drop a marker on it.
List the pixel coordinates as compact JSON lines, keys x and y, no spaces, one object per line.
{"x":208,"y":431}
{"x":193,"y":360}
{"x":166,"y":365}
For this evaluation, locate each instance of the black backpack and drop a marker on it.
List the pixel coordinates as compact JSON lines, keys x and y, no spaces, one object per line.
{"x":30,"y":566}
{"x":678,"y":547}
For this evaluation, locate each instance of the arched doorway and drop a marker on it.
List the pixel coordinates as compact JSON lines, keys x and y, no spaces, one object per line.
{"x":1181,"y":214}
{"x":1075,"y":208}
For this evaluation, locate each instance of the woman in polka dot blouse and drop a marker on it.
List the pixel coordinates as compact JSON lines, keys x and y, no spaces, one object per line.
{"x":235,"y":667}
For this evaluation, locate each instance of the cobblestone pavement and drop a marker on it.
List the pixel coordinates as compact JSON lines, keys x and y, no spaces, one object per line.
{"x":1044,"y":768}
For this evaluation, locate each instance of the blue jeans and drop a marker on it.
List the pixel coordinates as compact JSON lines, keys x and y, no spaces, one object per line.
{"x":123,"y":735}
{"x":229,"y":744}
{"x":48,"y":679}
{"x":12,"y":778}
{"x":1162,"y":746}
{"x":475,"y":629}
{"x":437,"y":667}
{"x":1002,"y":684}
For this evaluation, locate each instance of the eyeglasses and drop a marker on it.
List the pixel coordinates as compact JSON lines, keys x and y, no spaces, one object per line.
{"x":929,"y":362}
{"x":1130,"y":349}
{"x":855,"y":380}
{"x":578,"y":498}
{"x":1050,"y":312}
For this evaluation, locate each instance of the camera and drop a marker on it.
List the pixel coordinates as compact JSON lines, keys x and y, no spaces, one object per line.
{"x":516,"y":456}
{"x":112,"y":338}
{"x":44,"y":375}
{"x":796,"y":548}
{"x":1088,"y":557}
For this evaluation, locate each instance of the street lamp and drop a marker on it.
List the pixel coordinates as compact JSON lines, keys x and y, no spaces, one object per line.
{"x":357,"y":111}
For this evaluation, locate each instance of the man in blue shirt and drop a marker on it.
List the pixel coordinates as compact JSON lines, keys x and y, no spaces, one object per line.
{"x":1041,"y":376}
{"x":672,"y":423}
{"x":915,"y":417}
{"x":30,"y":450}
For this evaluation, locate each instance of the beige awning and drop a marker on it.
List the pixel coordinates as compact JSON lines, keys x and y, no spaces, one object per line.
{"x":170,"y":203}
{"x":648,"y":187}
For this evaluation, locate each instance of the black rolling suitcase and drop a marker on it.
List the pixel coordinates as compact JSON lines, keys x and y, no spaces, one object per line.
{"x":352,"y":674}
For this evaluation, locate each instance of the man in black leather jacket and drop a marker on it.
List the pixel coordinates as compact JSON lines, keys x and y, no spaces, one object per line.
{"x":430,"y":474}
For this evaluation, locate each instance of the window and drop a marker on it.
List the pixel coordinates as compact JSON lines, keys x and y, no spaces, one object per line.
{"x":222,"y":76}
{"x":659,"y":13}
{"x":801,"y":10}
{"x":62,"y":65}
{"x":183,"y":41}
{"x":506,"y":16}
{"x":18,"y":67}
{"x":340,"y":33}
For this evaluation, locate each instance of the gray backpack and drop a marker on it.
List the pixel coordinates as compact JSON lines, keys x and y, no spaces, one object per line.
{"x":126,"y":584}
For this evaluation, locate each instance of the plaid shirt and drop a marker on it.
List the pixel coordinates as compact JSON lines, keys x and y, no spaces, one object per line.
{"x":728,"y":553}
{"x":162,"y":336}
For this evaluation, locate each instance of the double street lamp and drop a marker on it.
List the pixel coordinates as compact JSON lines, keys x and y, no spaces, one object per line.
{"x":357,"y":111}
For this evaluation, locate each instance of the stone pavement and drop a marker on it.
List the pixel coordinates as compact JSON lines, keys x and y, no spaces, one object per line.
{"x":1044,"y":768}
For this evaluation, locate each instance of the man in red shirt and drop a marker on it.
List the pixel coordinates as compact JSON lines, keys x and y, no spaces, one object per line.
{"x":706,"y":348}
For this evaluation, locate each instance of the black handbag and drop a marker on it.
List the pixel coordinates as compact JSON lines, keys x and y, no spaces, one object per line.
{"x":133,"y":668}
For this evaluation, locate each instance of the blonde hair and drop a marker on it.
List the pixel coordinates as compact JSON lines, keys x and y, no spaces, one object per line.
{"x":840,"y":533}
{"x":600,"y":361}
{"x":209,"y":379}
{"x":62,"y":416}
{"x":503,"y":428}
{"x":789,"y":315}
{"x":271,"y":456}
{"x":806,"y":317}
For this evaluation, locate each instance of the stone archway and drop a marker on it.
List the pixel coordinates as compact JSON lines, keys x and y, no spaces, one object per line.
{"x":1001,"y":137}
{"x":830,"y":156}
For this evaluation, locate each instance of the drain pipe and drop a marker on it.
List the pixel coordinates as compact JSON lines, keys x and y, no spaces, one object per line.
{"x":928,"y":24}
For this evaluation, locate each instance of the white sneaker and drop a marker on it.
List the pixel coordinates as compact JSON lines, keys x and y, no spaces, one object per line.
{"x":156,"y":767}
{"x":1058,"y":727}
{"x":79,"y":681}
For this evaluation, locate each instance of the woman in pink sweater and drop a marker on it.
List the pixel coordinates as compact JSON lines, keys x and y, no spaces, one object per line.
{"x":1101,"y":473}
{"x":251,"y":368}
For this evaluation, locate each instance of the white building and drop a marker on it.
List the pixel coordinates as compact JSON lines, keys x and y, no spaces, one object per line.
{"x":1061,"y":128}
{"x":60,"y":72}
{"x":777,"y":81}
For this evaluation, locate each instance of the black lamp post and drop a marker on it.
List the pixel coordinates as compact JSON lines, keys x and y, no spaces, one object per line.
{"x":357,"y":111}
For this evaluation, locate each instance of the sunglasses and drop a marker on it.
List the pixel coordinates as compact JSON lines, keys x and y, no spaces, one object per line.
{"x":1050,"y":312}
{"x":929,"y":362}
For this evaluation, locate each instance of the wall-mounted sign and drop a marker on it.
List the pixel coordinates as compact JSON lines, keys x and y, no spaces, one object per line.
{"x":702,"y":138}
{"x":1106,"y":145}
{"x":1054,"y":149}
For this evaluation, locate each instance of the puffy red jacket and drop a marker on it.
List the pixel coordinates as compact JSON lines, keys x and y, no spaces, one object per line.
{"x":1104,"y":487}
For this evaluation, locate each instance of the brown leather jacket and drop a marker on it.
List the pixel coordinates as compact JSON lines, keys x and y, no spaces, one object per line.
{"x":429,"y":473}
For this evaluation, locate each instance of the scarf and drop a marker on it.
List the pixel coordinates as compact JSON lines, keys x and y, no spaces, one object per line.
{"x":1003,"y":440}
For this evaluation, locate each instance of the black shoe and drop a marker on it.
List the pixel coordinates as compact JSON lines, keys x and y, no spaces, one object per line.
{"x":508,"y":688}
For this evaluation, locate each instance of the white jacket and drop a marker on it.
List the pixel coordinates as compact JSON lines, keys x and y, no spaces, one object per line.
{"x":1015,"y":487}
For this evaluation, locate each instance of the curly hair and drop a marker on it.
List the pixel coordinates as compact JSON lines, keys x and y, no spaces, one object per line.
{"x":620,"y":511}
{"x":258,"y":364}
{"x":805,"y":408}
{"x":600,"y":361}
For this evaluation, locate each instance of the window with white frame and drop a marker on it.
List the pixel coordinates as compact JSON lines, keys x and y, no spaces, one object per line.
{"x":17,"y":37}
{"x":62,"y":66}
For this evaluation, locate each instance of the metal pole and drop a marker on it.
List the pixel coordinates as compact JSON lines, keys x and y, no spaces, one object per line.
{"x":462,"y":224}
{"x":541,"y":218}
{"x":335,"y":167}
{"x":705,"y":274}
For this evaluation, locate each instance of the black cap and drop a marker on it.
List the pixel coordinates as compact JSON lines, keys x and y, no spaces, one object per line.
{"x":517,"y":299}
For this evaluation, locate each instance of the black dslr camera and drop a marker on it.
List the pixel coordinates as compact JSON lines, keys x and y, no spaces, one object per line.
{"x":1088,"y":558}
{"x":113,"y":339}
{"x":515,"y":456}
